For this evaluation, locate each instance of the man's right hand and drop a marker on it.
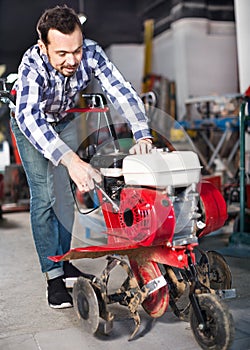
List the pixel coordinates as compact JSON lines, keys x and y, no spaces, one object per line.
{"x":82,"y":173}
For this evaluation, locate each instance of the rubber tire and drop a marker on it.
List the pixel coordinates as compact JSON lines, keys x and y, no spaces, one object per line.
{"x":219,"y":332}
{"x":220,"y":276}
{"x":86,"y":304}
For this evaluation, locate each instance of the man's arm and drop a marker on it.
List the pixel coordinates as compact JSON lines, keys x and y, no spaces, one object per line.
{"x":31,"y":119}
{"x":121,"y":94}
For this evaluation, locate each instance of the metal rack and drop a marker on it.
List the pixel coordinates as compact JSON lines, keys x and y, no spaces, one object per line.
{"x":242,"y":238}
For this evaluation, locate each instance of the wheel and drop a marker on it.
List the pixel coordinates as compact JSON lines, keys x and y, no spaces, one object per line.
{"x":219,"y":275}
{"x":86,"y":304}
{"x":219,"y":330}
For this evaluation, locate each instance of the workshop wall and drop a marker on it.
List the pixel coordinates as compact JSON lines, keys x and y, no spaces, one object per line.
{"x":129,"y":59}
{"x":198,"y":54}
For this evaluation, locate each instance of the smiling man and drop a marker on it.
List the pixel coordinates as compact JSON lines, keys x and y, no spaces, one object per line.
{"x":63,"y":50}
{"x":50,"y":76}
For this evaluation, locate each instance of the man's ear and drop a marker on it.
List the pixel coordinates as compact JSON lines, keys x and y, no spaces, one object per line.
{"x":42,"y":46}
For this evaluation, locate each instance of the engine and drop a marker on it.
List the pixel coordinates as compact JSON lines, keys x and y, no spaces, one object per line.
{"x":160,"y":198}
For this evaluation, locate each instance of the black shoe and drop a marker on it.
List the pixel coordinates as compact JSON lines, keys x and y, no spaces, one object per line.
{"x":72,"y":271}
{"x":58,"y":296}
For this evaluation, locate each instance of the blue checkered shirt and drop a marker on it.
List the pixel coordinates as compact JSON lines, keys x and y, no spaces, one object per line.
{"x":43,"y":98}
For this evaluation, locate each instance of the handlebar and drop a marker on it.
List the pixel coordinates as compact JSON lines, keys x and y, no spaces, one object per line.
{"x":5,"y":94}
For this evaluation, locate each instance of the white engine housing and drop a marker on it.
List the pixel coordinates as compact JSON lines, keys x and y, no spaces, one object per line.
{"x":161,"y":169}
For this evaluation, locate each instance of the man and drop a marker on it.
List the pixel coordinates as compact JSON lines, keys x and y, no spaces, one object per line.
{"x":50,"y":75}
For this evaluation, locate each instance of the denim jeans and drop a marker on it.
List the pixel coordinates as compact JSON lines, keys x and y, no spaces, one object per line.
{"x":51,"y":199}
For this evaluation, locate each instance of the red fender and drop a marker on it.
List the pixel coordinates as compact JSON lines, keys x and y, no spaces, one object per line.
{"x":157,"y":302}
{"x":213,"y":206}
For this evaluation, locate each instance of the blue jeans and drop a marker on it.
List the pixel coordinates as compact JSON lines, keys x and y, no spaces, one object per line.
{"x":51,"y":199}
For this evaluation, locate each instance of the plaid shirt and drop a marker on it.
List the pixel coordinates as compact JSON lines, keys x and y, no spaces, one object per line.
{"x":43,"y":96}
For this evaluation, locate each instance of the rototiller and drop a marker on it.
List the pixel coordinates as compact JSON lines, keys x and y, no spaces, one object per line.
{"x":156,"y":208}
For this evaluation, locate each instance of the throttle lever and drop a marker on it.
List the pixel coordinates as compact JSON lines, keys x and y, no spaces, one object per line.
{"x":114,"y":205}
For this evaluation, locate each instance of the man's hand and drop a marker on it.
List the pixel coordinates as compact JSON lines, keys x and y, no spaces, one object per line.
{"x":143,"y":146}
{"x":82,"y":173}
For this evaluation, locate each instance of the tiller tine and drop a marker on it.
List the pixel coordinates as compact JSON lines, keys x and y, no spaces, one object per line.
{"x":129,"y":294}
{"x":137,"y":321}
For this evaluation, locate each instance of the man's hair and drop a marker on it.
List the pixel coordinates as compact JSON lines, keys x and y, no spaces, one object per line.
{"x":62,"y":18}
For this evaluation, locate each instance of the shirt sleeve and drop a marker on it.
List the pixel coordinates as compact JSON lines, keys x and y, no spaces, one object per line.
{"x":30,"y":115}
{"x":121,"y":94}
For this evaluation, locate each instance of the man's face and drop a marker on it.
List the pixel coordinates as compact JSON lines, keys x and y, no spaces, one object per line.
{"x":64,"y":51}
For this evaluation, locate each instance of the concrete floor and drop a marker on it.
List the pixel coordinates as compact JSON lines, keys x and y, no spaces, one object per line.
{"x":27,"y":323}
